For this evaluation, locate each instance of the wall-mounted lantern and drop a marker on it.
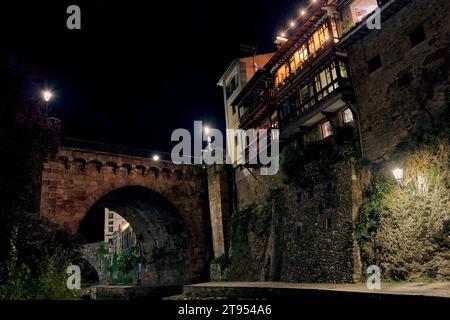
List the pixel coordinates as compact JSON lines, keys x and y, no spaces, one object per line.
{"x":398,"y":174}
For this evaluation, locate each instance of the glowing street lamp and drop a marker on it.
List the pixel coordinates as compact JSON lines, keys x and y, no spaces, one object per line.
{"x":155,"y":157}
{"x":398,"y":174}
{"x":207,"y":129}
{"x":47,"y":95}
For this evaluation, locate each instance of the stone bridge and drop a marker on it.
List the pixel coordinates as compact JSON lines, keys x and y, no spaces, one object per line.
{"x":166,"y":204}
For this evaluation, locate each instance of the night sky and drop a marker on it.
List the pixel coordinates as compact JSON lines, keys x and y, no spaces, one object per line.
{"x":136,"y":72}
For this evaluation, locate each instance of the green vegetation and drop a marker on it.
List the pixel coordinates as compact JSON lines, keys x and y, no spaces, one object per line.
{"x":306,"y":164}
{"x":405,"y":228}
{"x":121,"y":266}
{"x":48,"y":281}
{"x":34,"y":254}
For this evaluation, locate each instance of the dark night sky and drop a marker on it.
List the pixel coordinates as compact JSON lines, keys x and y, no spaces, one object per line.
{"x":134,"y":73}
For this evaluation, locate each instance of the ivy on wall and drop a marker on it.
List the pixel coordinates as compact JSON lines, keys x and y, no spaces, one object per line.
{"x":404,"y":228}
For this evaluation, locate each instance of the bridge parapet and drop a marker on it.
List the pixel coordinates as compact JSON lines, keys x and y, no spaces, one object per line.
{"x":76,"y":180}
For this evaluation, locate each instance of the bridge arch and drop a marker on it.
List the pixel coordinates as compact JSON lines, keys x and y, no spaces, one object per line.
{"x":86,"y":179}
{"x":160,"y":229}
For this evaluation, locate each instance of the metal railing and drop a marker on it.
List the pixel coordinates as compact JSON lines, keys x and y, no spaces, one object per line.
{"x":116,"y":149}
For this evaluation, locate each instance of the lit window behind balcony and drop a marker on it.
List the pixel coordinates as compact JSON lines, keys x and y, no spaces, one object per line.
{"x":347,"y":116}
{"x":326,"y":129}
{"x":309,"y":48}
{"x":362,"y":8}
{"x":355,"y":12}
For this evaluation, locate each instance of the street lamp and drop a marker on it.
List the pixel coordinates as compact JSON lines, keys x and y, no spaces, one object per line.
{"x":47,"y":95}
{"x":398,"y":174}
{"x":155,"y":157}
{"x":207,"y":129}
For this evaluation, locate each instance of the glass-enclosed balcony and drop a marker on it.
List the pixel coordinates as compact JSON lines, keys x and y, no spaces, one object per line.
{"x":253,"y":101}
{"x":325,"y":90}
{"x":312,"y":45}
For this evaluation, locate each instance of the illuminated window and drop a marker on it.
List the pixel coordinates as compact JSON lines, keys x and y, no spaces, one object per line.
{"x":347,"y":115}
{"x":302,"y":54}
{"x":362,"y":8}
{"x":325,"y":82}
{"x":334,"y":30}
{"x":282,"y":74}
{"x":326,"y":129}
{"x":343,"y":69}
{"x":311,"y":46}
{"x":293,"y":63}
{"x":304,"y":95}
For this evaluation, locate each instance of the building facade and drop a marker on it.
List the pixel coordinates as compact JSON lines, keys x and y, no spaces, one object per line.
{"x":378,"y":67}
{"x":238,"y":74}
{"x":114,"y":222}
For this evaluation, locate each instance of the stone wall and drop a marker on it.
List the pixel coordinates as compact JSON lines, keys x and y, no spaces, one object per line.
{"x":220,"y":191}
{"x":412,"y":82}
{"x":299,"y":240}
{"x":89,"y":252}
{"x":318,"y":230}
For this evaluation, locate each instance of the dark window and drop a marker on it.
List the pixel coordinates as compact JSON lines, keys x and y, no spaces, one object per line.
{"x":417,"y":36}
{"x":299,"y":231}
{"x":110,"y":229}
{"x":403,"y":81}
{"x":374,"y":64}
{"x":328,"y":224}
{"x":110,"y":222}
{"x":111,"y":215}
{"x":232,"y":86}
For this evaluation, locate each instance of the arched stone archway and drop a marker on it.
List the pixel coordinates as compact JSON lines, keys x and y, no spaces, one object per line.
{"x":76,"y":180}
{"x":160,"y":230}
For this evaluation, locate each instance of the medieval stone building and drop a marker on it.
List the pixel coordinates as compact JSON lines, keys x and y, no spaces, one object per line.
{"x":355,"y":77}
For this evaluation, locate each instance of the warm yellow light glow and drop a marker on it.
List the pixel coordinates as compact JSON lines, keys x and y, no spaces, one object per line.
{"x":155,"y":157}
{"x":283,"y":35}
{"x":125,"y":226}
{"x":206,"y":129}
{"x":47,"y":95}
{"x":302,"y":12}
{"x":398,"y":174}
{"x":282,"y":39}
{"x":292,"y":23}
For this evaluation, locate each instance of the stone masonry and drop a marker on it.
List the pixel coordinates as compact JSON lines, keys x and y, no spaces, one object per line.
{"x":75,"y":180}
{"x":412,"y":82}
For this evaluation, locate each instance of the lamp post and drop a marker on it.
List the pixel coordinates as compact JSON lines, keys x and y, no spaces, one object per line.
{"x":207,"y":129}
{"x":47,"y":96}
